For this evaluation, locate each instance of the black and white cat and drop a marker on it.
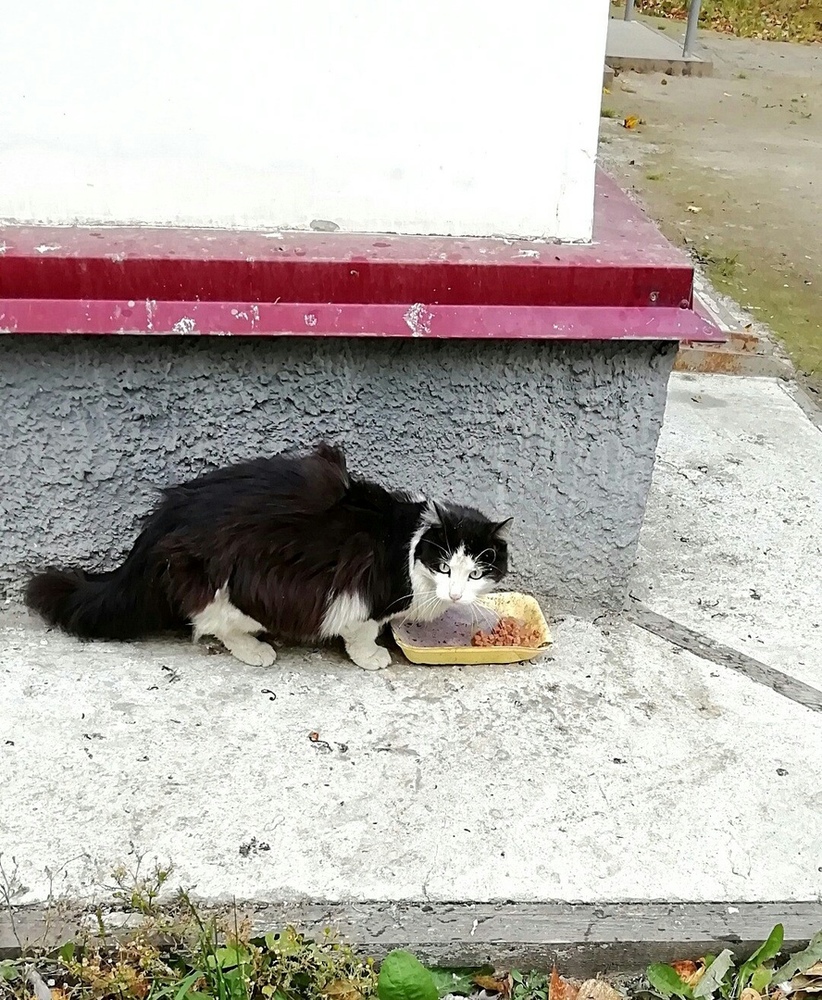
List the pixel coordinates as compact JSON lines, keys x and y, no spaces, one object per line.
{"x":290,"y":546}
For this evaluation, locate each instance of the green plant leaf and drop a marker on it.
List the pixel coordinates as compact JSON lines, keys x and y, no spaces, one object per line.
{"x":761,"y":978}
{"x":801,"y":961}
{"x":457,"y":981}
{"x":67,"y":952}
{"x":230,"y":957}
{"x":715,"y":974}
{"x":404,"y":977}
{"x":287,"y":942}
{"x":9,"y":971}
{"x":667,"y":982}
{"x":766,"y":952}
{"x":186,"y":985}
{"x":770,"y":948}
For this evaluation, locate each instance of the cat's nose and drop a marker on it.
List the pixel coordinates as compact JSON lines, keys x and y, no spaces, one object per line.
{"x":455,"y":595}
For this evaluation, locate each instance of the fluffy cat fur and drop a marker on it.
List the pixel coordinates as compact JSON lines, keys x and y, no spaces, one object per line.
{"x":290,"y":546}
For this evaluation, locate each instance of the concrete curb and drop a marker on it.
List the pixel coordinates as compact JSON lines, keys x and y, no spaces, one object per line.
{"x":583,"y":939}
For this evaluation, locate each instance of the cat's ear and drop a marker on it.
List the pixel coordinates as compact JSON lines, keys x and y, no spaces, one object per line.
{"x":501,"y":530}
{"x":434,"y":515}
{"x":441,"y":515}
{"x":431,"y":515}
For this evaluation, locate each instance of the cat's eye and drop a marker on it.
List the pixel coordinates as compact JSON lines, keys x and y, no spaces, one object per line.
{"x":444,"y":568}
{"x":476,"y":574}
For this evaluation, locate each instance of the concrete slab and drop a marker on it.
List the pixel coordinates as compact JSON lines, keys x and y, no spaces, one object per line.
{"x":635,"y":46}
{"x":617,"y":768}
{"x":731,"y":544}
{"x":618,"y":772}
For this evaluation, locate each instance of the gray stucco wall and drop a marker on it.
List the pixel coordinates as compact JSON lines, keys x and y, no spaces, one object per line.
{"x":561,"y":435}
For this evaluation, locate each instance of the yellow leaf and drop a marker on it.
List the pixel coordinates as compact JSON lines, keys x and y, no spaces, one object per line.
{"x":631,"y":122}
{"x":490,"y":983}
{"x":689,"y":972}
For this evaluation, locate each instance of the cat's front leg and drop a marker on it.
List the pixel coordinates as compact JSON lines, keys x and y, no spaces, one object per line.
{"x":361,"y":645}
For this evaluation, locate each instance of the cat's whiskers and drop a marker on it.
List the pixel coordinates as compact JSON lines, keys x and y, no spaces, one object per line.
{"x":427,"y":604}
{"x":403,"y":598}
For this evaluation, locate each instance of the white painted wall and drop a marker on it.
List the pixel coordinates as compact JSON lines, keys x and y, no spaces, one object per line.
{"x":419,"y":116}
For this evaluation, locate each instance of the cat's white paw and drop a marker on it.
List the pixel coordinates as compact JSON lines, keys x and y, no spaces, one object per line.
{"x":373,"y":658}
{"x":251,"y":651}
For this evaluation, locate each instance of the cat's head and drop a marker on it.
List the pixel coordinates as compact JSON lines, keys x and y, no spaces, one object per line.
{"x":460,"y":553}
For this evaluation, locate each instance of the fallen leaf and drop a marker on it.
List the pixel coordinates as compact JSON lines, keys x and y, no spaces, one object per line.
{"x":689,"y":972}
{"x":491,"y":984}
{"x":561,"y":989}
{"x":808,"y":983}
{"x":342,"y":989}
{"x":749,"y":994}
{"x":631,"y":122}
{"x":597,"y":989}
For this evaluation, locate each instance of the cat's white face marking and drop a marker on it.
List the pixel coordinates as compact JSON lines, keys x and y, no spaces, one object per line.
{"x":457,"y":579}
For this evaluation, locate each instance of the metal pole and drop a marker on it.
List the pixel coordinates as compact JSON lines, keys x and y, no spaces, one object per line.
{"x":690,"y":28}
{"x":629,"y":10}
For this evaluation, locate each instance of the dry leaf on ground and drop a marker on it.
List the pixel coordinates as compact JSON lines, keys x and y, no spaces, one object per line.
{"x":561,"y":989}
{"x":342,"y":989}
{"x":689,"y":972}
{"x":808,"y":984}
{"x":749,"y":994}
{"x":491,"y":984}
{"x":597,"y":989}
{"x":631,"y":121}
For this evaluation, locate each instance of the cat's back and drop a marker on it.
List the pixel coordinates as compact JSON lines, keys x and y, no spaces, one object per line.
{"x":287,"y":484}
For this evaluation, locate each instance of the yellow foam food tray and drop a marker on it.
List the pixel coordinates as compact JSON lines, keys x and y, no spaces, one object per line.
{"x":448,"y":639}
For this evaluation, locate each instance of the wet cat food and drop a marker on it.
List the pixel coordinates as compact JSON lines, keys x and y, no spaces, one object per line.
{"x":507,"y":632}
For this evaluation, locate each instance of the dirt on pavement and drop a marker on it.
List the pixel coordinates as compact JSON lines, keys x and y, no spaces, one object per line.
{"x":731,"y":166}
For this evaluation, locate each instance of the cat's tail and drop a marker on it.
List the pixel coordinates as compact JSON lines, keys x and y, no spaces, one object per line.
{"x":126,"y":603}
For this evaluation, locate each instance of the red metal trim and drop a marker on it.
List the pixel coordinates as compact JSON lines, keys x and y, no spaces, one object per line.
{"x":630,"y":282}
{"x":373,"y":320}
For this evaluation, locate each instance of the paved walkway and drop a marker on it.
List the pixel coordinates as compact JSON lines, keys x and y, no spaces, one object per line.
{"x":619,"y":768}
{"x":728,"y":165}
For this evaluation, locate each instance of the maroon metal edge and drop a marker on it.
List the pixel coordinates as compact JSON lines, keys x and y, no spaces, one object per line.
{"x":373,"y":320}
{"x":630,"y":283}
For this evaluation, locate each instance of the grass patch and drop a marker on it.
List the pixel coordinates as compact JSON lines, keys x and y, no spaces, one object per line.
{"x":775,"y":20}
{"x":175,"y":951}
{"x":609,"y":113}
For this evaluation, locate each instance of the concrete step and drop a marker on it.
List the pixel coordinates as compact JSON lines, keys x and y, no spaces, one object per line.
{"x":635,"y":46}
{"x":745,"y":352}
